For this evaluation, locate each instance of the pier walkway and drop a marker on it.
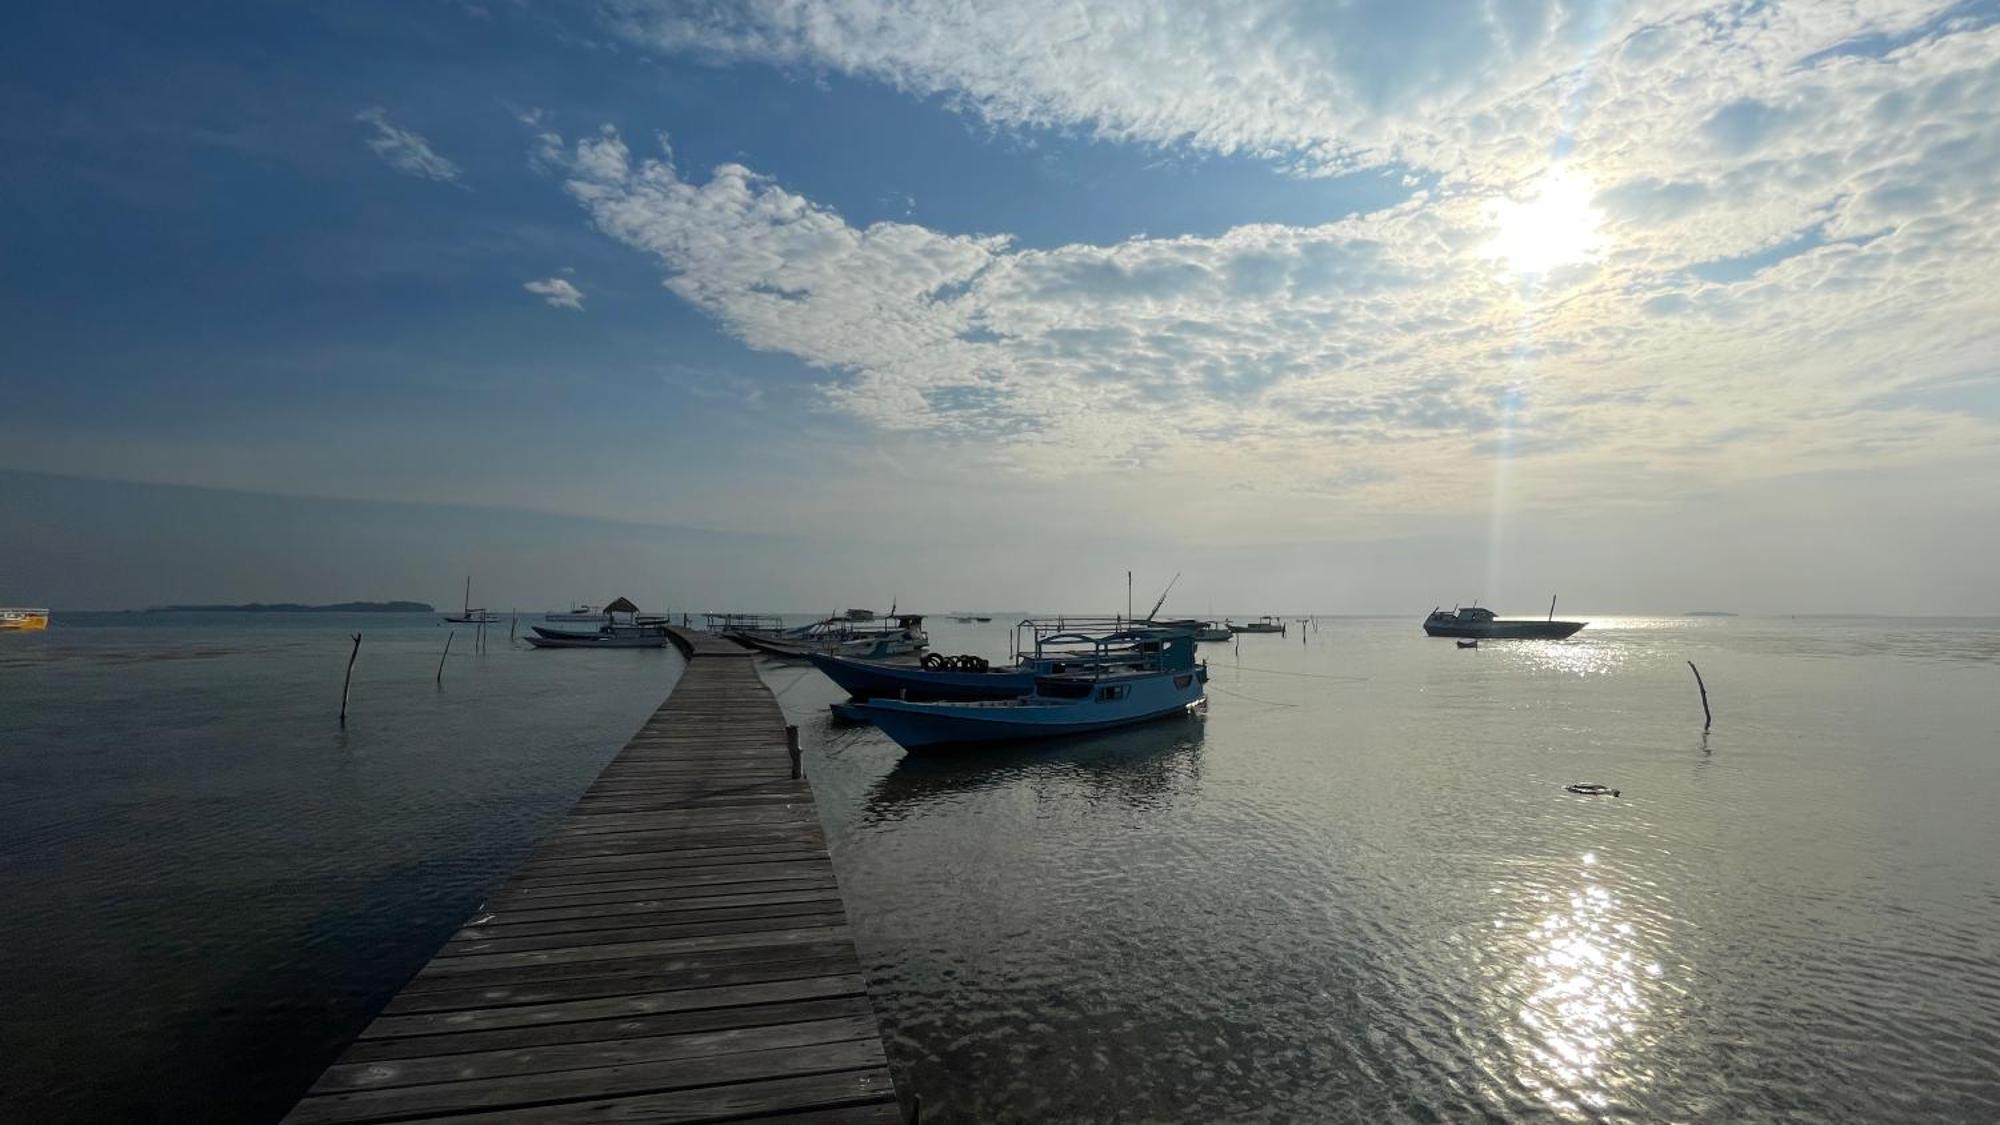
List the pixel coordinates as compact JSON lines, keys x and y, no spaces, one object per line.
{"x":676,"y":950}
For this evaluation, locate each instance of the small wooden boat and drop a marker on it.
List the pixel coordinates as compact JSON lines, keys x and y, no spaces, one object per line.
{"x":1468,"y":644}
{"x":16,"y":620}
{"x":897,"y":635}
{"x":1153,"y":675}
{"x":1210,"y":633}
{"x":1264,"y":624}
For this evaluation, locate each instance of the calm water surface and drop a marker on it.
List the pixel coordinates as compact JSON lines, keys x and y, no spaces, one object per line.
{"x":1354,"y":890}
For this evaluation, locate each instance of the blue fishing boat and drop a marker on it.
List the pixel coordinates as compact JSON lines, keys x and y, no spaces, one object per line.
{"x":1132,"y":674}
{"x":933,"y":679}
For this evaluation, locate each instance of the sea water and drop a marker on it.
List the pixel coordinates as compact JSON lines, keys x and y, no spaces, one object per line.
{"x":1355,"y":889}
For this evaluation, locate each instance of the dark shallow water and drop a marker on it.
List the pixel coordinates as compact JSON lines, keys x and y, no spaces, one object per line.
{"x":1356,"y":889}
{"x":209,"y":887}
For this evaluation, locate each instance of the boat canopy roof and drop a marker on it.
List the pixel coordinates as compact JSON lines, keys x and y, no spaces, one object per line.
{"x":620,"y":605}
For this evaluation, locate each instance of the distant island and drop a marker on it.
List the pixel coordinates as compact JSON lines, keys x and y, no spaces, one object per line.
{"x":1710,"y":613}
{"x":295,"y":607}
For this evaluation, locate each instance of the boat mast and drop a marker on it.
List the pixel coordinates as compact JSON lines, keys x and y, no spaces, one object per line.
{"x":1163,"y":594}
{"x":1552,"y":607}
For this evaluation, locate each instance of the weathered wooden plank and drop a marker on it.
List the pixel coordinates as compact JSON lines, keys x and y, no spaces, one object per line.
{"x":515,"y":975}
{"x":643,"y":979}
{"x":496,"y":927}
{"x":384,"y":1074}
{"x":868,"y":1092}
{"x":687,"y":906}
{"x":611,"y":1007}
{"x":520,"y":943}
{"x":594,"y":1082}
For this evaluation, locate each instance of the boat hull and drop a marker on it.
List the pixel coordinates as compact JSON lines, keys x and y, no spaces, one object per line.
{"x":583,"y":641}
{"x":936,"y":726}
{"x":1505,"y":630}
{"x":865,"y":679}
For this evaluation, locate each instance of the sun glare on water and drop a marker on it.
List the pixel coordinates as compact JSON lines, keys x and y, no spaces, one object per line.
{"x":1551,"y":224}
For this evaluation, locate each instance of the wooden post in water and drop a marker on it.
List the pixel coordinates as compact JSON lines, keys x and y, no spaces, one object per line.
{"x":792,"y":746}
{"x":447,"y":652}
{"x":1707,"y":716}
{"x":348,"y":680}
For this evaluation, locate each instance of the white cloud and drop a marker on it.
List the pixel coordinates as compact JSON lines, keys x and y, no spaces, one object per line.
{"x":406,"y":151}
{"x":1848,"y":199}
{"x":558,"y":292}
{"x":1469,"y":89}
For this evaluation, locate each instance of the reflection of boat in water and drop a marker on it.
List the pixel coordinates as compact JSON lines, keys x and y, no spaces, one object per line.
{"x":1482,"y":624}
{"x":1135,"y":672}
{"x":23,"y":620}
{"x":1264,"y":624}
{"x":1141,"y":766}
{"x":623,"y":627}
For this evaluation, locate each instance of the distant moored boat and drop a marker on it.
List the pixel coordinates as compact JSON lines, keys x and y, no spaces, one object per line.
{"x":1480,"y":623}
{"x":23,"y":620}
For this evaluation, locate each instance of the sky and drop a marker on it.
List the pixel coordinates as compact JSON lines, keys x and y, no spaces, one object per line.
{"x":1360,"y":308}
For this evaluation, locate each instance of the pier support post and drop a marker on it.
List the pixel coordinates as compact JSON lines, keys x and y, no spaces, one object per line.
{"x":347,"y":681}
{"x":792,"y":746}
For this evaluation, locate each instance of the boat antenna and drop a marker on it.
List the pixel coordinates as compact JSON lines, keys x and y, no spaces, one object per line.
{"x":1163,"y":596}
{"x":1128,"y":595}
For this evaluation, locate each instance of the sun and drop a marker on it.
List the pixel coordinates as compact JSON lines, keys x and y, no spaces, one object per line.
{"x":1551,"y":223}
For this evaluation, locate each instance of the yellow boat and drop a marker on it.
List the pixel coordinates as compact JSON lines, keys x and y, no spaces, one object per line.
{"x":23,"y":620}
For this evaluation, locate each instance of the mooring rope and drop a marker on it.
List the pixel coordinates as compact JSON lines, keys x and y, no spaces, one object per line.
{"x":1213,"y":686}
{"x":1302,"y":675}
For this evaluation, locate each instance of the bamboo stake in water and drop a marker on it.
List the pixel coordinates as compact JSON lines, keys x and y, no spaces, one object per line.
{"x":447,"y":652}
{"x":349,"y":679}
{"x":1707,"y":716}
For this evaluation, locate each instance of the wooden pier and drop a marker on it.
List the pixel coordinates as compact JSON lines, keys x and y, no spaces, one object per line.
{"x":676,"y":951}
